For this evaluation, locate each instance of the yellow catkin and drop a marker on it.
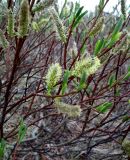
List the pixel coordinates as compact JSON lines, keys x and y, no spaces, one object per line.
{"x":24,"y":18}
{"x":88,"y":65}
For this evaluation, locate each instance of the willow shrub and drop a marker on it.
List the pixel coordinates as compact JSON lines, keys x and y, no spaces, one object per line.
{"x":61,"y":66}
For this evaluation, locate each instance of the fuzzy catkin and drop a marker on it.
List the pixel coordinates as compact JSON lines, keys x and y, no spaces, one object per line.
{"x":53,"y":76}
{"x":24,"y":18}
{"x":60,"y":30}
{"x":10,"y":26}
{"x":3,"y":40}
{"x":123,"y":8}
{"x":97,"y":28}
{"x":43,"y":5}
{"x":88,"y":65}
{"x":68,"y":109}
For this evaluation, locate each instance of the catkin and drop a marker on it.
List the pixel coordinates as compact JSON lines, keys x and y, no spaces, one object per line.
{"x":68,"y":109}
{"x":123,"y":8}
{"x":10,"y":26}
{"x":88,"y":65}
{"x":24,"y":18}
{"x":42,"y":5}
{"x":53,"y":76}
{"x":97,"y":28}
{"x":60,"y":30}
{"x":3,"y":40}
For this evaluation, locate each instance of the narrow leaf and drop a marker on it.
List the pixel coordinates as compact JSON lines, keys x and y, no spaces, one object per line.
{"x":127,"y":76}
{"x":99,"y":45}
{"x":22,"y":131}
{"x":117,"y":27}
{"x":65,"y":81}
{"x":79,"y":19}
{"x":2,"y":147}
{"x":104,"y":107}
{"x":82,"y":82}
{"x":111,"y":80}
{"x":114,"y":38}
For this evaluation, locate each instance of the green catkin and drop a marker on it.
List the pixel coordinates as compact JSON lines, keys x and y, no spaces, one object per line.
{"x":3,"y":40}
{"x":42,"y":5}
{"x":10,"y":26}
{"x":98,"y":27}
{"x":24,"y":18}
{"x":70,"y":110}
{"x":88,"y":65}
{"x":123,"y":8}
{"x":60,"y":30}
{"x":53,"y":76}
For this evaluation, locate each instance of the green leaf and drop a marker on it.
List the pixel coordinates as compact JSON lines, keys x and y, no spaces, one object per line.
{"x":111,"y":80}
{"x":82,"y":83}
{"x":104,"y":107}
{"x":78,"y":19}
{"x":2,"y":147}
{"x":65,"y":81}
{"x":117,"y":92}
{"x":117,"y":27}
{"x":22,"y":131}
{"x":129,"y":101}
{"x":126,"y":118}
{"x":127,"y":76}
{"x":76,"y":8}
{"x":78,"y":12}
{"x":89,"y":89}
{"x":99,"y":45}
{"x":101,"y":4}
{"x":62,"y":10}
{"x":128,"y":68}
{"x":114,"y":39}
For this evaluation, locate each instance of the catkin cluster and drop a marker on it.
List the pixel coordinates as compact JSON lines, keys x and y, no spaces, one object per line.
{"x":60,"y":30}
{"x":10,"y":26}
{"x":70,"y":110}
{"x":53,"y":76}
{"x":3,"y":40}
{"x":24,"y":18}
{"x":88,"y":65}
